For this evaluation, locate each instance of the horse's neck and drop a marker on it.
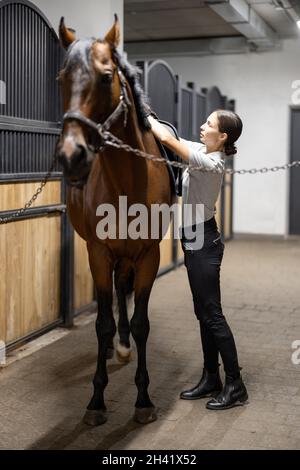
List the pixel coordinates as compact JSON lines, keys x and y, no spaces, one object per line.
{"x":122,"y":167}
{"x":133,"y":135}
{"x":122,"y":171}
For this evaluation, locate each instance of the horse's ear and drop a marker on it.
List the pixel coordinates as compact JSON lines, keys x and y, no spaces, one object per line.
{"x":113,"y":35}
{"x":66,"y":35}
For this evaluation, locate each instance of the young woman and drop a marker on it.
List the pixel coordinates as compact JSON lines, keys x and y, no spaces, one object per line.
{"x":217,"y":136}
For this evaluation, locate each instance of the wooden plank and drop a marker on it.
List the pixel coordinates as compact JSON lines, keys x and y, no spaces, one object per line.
{"x":15,"y":195}
{"x":4,"y":255}
{"x":218,"y":212}
{"x":180,"y":254}
{"x":165,"y":247}
{"x":83,"y":281}
{"x":30,"y":270}
{"x":227,"y":207}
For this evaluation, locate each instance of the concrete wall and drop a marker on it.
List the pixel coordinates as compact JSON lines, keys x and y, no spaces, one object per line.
{"x":261,"y":83}
{"x":87,"y":17}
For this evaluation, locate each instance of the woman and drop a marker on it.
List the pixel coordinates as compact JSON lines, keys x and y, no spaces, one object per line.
{"x":217,"y":136}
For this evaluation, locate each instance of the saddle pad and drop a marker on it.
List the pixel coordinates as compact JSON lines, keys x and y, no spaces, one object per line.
{"x":175,"y":173}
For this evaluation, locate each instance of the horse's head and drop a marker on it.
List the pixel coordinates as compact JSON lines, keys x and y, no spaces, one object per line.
{"x":91,"y":91}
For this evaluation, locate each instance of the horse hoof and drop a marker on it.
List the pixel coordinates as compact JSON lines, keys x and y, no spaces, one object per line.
{"x":109,"y":353}
{"x":145,"y":415}
{"x":123,"y":354}
{"x":94,"y":417}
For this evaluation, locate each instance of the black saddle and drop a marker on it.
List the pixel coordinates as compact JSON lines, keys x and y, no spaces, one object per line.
{"x":175,"y":173}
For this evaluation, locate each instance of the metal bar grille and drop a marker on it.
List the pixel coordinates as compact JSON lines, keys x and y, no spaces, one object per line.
{"x":187,"y":113}
{"x":30,"y":58}
{"x":26,"y":152}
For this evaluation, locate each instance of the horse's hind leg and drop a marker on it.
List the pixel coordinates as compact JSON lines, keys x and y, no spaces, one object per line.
{"x":124,"y":277}
{"x":146,"y":270}
{"x":101,"y":268}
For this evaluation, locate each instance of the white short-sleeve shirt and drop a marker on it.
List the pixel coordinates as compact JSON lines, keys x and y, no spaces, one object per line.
{"x":202,"y":187}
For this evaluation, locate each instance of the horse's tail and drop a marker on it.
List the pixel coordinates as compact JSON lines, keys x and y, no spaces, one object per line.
{"x":130,"y":282}
{"x":128,"y":289}
{"x":130,"y":292}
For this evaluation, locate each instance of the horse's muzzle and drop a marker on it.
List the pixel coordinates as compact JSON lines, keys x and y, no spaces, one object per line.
{"x":76,"y":166}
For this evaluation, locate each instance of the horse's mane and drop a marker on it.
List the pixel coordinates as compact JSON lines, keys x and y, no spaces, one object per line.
{"x":80,"y":51}
{"x":141,"y":101}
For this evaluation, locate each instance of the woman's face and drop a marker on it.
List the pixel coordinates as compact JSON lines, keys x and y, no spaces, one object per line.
{"x":210,"y":134}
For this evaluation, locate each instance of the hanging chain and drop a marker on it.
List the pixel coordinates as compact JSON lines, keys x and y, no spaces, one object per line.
{"x":113,"y":141}
{"x":264,"y":170}
{"x":28,"y":204}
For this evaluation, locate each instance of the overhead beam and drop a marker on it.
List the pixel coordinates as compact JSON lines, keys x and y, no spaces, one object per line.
{"x":187,"y":47}
{"x":241,"y":16}
{"x":292,"y":9}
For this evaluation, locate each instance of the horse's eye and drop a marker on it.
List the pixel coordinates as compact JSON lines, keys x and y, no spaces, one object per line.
{"x":107,"y":78}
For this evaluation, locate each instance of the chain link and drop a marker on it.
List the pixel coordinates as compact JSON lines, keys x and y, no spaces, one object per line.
{"x":113,"y":141}
{"x":28,"y":204}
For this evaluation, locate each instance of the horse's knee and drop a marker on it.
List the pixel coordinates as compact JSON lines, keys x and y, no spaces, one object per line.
{"x":106,"y":327}
{"x":139,"y":327}
{"x":139,"y":323}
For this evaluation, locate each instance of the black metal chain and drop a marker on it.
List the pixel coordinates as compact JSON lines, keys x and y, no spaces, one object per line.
{"x":113,"y":141}
{"x":28,"y":204}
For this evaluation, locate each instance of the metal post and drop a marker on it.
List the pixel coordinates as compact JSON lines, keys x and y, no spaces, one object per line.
{"x":67,"y":266}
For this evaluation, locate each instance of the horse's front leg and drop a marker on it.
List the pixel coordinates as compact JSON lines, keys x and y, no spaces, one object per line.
{"x":145,"y":273}
{"x":101,"y":265}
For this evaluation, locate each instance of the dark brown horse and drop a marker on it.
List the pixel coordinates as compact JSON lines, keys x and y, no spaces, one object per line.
{"x":99,"y":85}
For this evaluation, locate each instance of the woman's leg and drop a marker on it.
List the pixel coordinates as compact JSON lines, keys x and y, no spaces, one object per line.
{"x":204,"y":276}
{"x":203,"y":268}
{"x":209,"y":347}
{"x":210,"y":381}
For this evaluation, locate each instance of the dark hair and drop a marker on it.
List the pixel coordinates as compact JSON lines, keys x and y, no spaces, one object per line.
{"x":230,"y":123}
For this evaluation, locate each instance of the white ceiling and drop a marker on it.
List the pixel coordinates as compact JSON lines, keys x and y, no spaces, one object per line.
{"x":157,"y":20}
{"x":172,"y":19}
{"x":279,"y":20}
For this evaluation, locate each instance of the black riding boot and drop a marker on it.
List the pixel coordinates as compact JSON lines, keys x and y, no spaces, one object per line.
{"x":210,"y":382}
{"x":234,"y":393}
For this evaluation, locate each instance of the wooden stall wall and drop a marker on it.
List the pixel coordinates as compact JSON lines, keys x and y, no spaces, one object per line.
{"x":30,"y":252}
{"x":83,"y":281}
{"x":30,"y":245}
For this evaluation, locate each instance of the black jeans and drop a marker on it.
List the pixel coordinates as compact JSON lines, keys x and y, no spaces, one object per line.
{"x":203,"y":267}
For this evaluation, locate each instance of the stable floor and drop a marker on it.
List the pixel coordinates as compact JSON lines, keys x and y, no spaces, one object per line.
{"x":43,"y":396}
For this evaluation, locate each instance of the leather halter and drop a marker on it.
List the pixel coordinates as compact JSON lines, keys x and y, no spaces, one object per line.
{"x":122,"y":107}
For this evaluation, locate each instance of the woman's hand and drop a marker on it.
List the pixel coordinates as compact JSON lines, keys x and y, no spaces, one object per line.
{"x":159,"y":130}
{"x":167,"y":139}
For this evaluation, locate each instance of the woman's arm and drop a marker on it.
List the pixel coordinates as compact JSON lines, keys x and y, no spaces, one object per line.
{"x":191,"y":152}
{"x":167,"y":139}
